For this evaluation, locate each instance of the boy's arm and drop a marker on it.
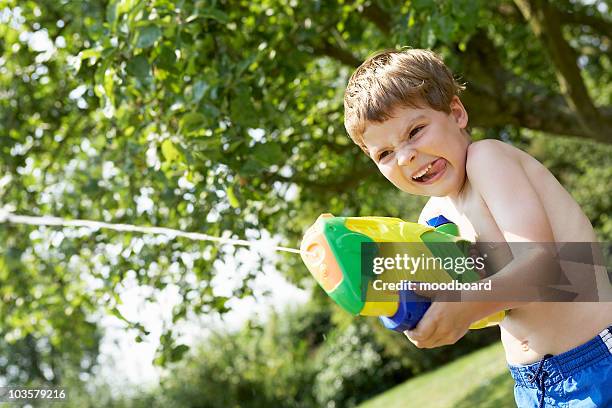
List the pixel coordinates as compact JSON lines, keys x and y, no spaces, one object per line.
{"x":517,"y":210}
{"x":504,"y":186}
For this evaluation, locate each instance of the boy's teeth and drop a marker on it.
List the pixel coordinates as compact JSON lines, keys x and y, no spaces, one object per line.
{"x":422,"y":172}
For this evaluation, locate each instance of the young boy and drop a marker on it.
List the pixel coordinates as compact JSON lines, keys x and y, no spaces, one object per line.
{"x":402,"y":108}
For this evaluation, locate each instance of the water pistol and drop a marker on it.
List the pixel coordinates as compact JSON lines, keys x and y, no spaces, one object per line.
{"x":332,"y":252}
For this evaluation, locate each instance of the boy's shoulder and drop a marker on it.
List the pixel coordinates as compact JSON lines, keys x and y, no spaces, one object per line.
{"x":518,"y":194}
{"x":493,"y":164}
{"x":502,"y":192}
{"x":488,"y":152}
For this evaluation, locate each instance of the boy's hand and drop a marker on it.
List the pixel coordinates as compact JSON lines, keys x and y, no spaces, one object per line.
{"x":444,"y":323}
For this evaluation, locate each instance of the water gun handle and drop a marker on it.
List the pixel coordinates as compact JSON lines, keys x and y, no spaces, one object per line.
{"x":412,"y":307}
{"x":410,"y":310}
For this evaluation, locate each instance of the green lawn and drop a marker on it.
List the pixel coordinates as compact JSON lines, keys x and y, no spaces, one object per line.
{"x":480,"y":379}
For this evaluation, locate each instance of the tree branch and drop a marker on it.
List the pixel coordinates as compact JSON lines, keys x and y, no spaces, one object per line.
{"x":372,"y":12}
{"x":581,"y":17}
{"x":335,"y":52}
{"x":337,"y":184}
{"x":495,"y":97}
{"x":379,"y":17}
{"x":544,"y":21}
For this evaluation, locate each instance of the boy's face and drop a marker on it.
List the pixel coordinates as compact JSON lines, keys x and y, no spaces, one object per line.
{"x":420,"y":150}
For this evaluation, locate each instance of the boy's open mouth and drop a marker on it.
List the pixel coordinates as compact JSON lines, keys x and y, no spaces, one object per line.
{"x":430,"y":172}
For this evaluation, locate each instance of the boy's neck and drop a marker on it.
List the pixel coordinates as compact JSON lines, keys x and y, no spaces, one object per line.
{"x":456,"y":198}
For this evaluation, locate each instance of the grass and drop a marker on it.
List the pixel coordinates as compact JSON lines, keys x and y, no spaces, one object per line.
{"x":480,"y":379}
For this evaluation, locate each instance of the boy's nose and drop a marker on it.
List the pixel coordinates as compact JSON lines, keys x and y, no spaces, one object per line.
{"x":405,"y":156}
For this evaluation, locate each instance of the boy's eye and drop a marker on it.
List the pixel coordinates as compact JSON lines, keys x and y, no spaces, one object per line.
{"x":383,"y":154}
{"x":416,"y":130}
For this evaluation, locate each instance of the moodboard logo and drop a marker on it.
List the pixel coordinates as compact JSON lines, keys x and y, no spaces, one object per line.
{"x":555,"y":272}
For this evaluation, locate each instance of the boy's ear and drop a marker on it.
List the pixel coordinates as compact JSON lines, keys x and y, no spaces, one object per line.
{"x":458,"y":111}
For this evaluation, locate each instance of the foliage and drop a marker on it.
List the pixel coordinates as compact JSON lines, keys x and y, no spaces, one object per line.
{"x":585,"y":169}
{"x":40,"y":310}
{"x":225,"y":117}
{"x":261,"y":365}
{"x":311,"y":356}
{"x":353,"y":368}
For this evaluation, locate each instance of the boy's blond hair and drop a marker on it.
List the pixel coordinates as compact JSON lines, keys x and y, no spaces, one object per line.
{"x":392,"y":79}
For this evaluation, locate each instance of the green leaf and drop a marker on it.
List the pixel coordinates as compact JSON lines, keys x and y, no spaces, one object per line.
{"x":166,"y":59}
{"x":220,"y":304}
{"x":241,"y":107}
{"x":199,"y":88}
{"x":192,"y":122}
{"x":444,"y":28}
{"x":170,"y":152}
{"x":90,"y":53}
{"x":147,"y":36}
{"x":210,"y":111}
{"x":251,"y":168}
{"x":232,"y":197}
{"x":269,"y":153}
{"x":109,"y":84}
{"x":177,"y":352}
{"x":215,"y":15}
{"x":111,"y":13}
{"x":160,"y":361}
{"x":411,"y":20}
{"x":115,"y":312}
{"x":139,"y":67}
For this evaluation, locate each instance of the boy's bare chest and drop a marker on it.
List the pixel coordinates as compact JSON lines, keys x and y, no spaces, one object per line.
{"x":473,"y":219}
{"x":476,"y":224}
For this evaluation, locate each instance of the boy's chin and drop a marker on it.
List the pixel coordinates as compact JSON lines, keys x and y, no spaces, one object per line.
{"x":441,"y":188}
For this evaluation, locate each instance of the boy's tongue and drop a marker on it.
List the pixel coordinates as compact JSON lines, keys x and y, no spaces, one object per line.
{"x":436,"y":167}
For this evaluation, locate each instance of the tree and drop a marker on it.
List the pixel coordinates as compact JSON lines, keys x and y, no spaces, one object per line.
{"x":225,"y":116}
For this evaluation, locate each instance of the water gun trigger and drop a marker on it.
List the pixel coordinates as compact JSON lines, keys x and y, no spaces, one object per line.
{"x":411,"y":309}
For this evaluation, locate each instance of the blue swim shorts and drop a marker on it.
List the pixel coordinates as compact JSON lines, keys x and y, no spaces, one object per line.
{"x":578,"y":378}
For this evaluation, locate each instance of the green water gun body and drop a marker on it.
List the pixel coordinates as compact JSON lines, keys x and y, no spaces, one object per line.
{"x":332,"y":249}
